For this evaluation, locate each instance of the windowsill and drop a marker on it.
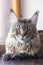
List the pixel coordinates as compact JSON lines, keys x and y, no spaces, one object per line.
{"x":2,"y":49}
{"x":2,"y":41}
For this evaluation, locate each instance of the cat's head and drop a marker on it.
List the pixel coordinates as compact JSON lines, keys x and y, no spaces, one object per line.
{"x":23,"y":27}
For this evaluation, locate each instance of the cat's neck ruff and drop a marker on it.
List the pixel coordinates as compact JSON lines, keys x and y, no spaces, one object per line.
{"x":19,"y":39}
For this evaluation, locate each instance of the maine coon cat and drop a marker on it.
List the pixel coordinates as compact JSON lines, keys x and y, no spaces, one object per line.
{"x":23,"y":39}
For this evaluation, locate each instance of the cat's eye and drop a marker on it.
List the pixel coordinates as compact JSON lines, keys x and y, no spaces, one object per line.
{"x":19,"y":25}
{"x":15,"y":29}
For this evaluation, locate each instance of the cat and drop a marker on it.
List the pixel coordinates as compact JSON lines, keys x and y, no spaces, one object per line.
{"x":23,"y":39}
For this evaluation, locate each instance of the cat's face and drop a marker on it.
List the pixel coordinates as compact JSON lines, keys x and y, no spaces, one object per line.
{"x":25,"y":27}
{"x":22,"y":27}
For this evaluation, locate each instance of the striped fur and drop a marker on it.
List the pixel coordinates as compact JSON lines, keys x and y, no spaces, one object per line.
{"x":23,"y":37}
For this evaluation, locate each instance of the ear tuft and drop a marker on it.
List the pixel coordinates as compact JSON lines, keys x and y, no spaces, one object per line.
{"x":34,"y":18}
{"x":13,"y":17}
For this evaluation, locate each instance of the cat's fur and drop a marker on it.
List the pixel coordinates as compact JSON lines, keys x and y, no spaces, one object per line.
{"x":23,"y":39}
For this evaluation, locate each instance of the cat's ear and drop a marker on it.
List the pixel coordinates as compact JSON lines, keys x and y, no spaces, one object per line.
{"x":13,"y":17}
{"x":34,"y":18}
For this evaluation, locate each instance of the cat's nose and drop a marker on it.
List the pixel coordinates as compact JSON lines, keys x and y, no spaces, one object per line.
{"x":23,"y":34}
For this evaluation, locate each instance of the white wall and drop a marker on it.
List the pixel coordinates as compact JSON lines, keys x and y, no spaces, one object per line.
{"x":4,"y":24}
{"x":29,"y":7}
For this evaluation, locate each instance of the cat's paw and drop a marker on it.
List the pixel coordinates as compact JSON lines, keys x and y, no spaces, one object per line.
{"x":23,"y":56}
{"x":20,"y":56}
{"x":6,"y":57}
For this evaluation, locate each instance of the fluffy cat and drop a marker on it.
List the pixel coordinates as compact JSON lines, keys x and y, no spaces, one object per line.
{"x":23,"y":39}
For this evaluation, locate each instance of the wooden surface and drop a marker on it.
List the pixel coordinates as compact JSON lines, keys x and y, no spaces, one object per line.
{"x":22,"y":62}
{"x":2,"y":49}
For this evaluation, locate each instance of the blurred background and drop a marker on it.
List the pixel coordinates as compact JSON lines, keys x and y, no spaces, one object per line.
{"x":23,"y":8}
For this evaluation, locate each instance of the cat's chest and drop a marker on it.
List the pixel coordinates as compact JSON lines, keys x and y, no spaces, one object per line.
{"x":20,"y":39}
